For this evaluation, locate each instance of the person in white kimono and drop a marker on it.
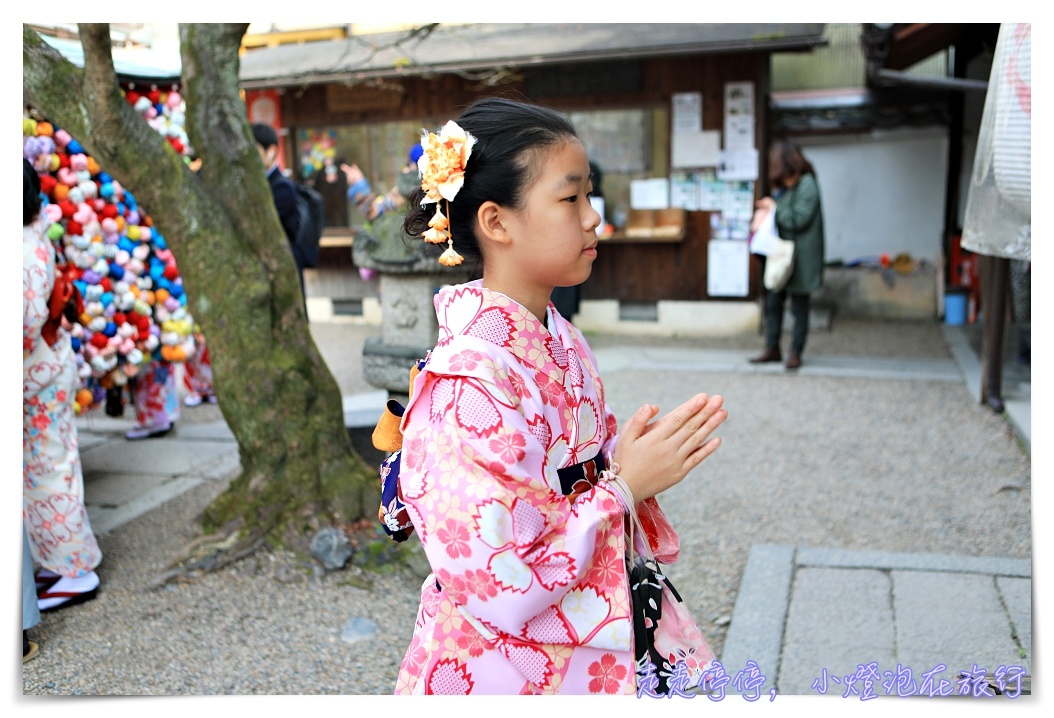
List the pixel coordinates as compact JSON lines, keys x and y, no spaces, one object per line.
{"x":61,"y":540}
{"x":513,"y":471}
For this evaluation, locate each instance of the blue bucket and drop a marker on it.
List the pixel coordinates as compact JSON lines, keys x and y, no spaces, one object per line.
{"x":955,"y":306}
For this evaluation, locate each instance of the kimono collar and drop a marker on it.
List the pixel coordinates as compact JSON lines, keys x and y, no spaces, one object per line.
{"x":473,"y":309}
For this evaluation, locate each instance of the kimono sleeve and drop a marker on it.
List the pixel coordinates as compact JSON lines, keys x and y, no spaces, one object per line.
{"x":502,"y":544}
{"x":38,"y":271}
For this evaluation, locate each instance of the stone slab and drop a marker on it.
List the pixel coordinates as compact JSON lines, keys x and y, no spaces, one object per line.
{"x":838,"y":620}
{"x":212,"y":431}
{"x":152,"y":456}
{"x":1017,"y":597}
{"x":839,"y":558}
{"x":952,"y":619}
{"x":756,"y":631}
{"x":114,"y":490}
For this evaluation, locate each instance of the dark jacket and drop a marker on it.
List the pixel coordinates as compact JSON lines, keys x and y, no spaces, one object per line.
{"x":285,"y":202}
{"x":799,"y":218}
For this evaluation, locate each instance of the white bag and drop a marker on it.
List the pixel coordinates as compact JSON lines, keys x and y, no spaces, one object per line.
{"x":779,"y":253}
{"x":779,"y":265}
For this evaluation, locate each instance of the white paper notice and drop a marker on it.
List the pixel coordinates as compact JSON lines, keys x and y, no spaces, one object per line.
{"x":695,"y":149}
{"x":687,"y":112}
{"x":738,"y":165}
{"x":727,"y":268}
{"x":739,"y":98}
{"x":649,"y":193}
{"x":739,"y":132}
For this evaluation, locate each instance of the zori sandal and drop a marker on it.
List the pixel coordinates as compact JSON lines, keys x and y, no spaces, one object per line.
{"x":68,"y":592}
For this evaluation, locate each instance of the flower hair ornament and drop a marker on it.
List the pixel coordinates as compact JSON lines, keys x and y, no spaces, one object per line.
{"x":442,"y":171}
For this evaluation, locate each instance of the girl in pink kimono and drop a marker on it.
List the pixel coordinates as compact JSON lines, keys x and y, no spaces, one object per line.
{"x":61,"y":540}
{"x":513,"y":472}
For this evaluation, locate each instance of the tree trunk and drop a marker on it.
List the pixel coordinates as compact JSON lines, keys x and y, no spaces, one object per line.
{"x":299,"y":470}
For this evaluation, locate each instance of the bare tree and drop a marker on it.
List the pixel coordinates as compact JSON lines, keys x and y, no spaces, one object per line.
{"x":298,"y":468}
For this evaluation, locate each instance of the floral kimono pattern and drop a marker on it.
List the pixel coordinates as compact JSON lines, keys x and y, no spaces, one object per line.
{"x":156,"y":396}
{"x":53,"y":510}
{"x":529,"y":592}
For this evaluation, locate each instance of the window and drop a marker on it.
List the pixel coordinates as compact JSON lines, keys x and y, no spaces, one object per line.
{"x":625,"y":145}
{"x":379,"y":149}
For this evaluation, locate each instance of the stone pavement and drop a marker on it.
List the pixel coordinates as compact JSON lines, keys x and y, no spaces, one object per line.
{"x":890,"y":610}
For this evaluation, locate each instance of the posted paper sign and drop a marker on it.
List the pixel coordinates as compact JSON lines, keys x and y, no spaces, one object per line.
{"x":687,"y":112}
{"x":727,"y":268}
{"x":738,"y":165}
{"x":695,"y":149}
{"x":649,"y":193}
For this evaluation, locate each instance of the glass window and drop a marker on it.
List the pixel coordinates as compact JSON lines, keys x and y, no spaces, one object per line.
{"x":379,"y":149}
{"x":625,"y":145}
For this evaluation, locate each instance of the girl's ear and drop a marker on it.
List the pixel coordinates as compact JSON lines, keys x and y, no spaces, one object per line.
{"x":489,"y":219}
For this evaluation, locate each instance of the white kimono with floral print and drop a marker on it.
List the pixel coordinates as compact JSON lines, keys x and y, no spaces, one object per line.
{"x":53,"y":510}
{"x":529,"y":591}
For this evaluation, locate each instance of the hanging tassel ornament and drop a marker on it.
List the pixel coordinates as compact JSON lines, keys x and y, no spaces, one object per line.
{"x":450,"y":257}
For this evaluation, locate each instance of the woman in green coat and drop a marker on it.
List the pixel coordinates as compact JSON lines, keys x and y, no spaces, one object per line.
{"x":799,"y":218}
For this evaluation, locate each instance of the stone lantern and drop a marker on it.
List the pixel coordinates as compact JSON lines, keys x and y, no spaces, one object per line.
{"x":410,"y":276}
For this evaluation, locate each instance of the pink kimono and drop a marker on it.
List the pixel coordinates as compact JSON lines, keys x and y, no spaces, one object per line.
{"x":529,"y":592}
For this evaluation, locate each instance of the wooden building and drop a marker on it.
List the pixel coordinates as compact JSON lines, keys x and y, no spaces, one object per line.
{"x":364,"y":100}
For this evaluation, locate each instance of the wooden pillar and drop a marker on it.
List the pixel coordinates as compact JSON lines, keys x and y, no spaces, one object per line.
{"x":995,"y":285}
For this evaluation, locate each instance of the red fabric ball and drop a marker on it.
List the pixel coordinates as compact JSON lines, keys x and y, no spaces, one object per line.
{"x":109,"y":211}
{"x":74,"y":228}
{"x":171,"y":272}
{"x":68,"y":208}
{"x":132,"y":96}
{"x":107,"y":286}
{"x":64,"y":159}
{"x":98,"y":339}
{"x":154,"y":96}
{"x":47,"y":184}
{"x":142,"y":323}
{"x":119,"y":318}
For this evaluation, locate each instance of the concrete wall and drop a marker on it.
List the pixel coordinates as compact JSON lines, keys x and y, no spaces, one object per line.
{"x":882,"y":192}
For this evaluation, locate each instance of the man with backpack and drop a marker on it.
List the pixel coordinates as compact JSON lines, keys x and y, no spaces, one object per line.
{"x":284,"y":192}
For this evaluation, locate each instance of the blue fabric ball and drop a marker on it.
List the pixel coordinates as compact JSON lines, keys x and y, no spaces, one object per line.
{"x":110,"y":329}
{"x":74,"y":148}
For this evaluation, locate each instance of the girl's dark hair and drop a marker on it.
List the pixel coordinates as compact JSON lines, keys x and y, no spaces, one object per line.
{"x":785,"y":161}
{"x":31,"y":200}
{"x":500,"y":168}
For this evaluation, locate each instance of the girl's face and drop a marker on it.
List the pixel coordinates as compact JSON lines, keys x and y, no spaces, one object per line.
{"x":554,"y":234}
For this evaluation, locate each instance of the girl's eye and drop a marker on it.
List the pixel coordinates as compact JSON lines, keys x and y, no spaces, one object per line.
{"x":572,"y":199}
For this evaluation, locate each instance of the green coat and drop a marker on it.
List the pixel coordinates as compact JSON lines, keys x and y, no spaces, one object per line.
{"x":799,"y":218}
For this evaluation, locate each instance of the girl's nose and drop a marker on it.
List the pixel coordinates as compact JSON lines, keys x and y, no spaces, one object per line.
{"x":592,"y":219}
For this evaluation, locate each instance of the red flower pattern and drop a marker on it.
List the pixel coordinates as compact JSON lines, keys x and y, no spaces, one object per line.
{"x":606,"y":675}
{"x":455,"y":536}
{"x":510,"y":447}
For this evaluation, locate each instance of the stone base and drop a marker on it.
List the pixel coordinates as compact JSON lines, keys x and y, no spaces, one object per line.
{"x":673,"y":318}
{"x":388,"y":367}
{"x":867,"y":293}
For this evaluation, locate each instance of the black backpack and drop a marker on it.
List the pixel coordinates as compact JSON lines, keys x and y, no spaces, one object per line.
{"x":312,"y":208}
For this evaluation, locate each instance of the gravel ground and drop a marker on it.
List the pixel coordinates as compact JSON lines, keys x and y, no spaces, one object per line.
{"x":842,"y":463}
